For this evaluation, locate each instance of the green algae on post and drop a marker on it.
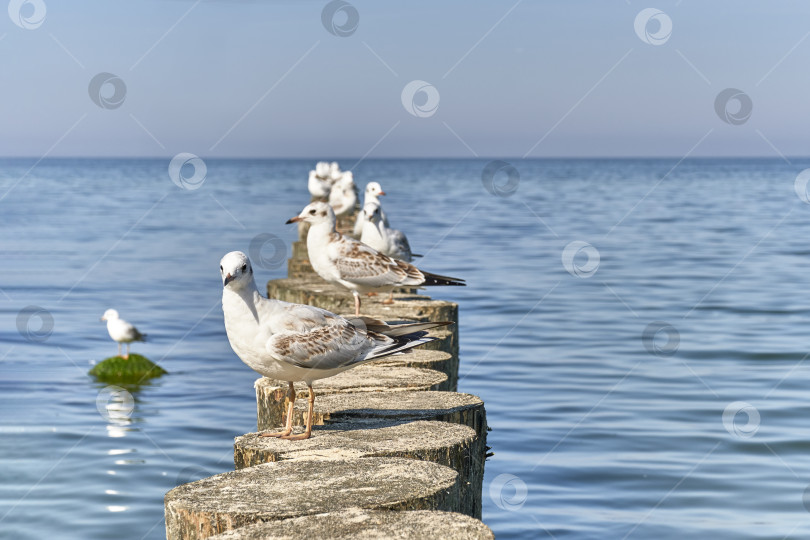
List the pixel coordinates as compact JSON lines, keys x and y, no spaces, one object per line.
{"x":134,"y":369}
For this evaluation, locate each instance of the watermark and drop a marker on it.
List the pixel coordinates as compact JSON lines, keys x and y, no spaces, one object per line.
{"x":192,"y":473}
{"x":420,"y":98}
{"x":800,"y":185}
{"x":268,"y":251}
{"x":500,"y":178}
{"x":107,"y":90}
{"x":35,"y":324}
{"x":340,"y":18}
{"x":733,"y":106}
{"x":735,"y":425}
{"x":806,"y":498}
{"x":27,"y":14}
{"x":508,"y":492}
{"x":653,"y":26}
{"x":187,"y":171}
{"x":661,"y":338}
{"x":572,"y":259}
{"x":115,"y":404}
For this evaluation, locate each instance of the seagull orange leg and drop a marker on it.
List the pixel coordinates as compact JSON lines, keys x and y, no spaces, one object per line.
{"x":390,"y":300}
{"x":308,"y":431}
{"x":288,"y":425}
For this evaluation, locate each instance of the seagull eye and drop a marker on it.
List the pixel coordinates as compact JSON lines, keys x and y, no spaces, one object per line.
{"x":312,"y":212}
{"x":244,"y":267}
{"x":220,"y":268}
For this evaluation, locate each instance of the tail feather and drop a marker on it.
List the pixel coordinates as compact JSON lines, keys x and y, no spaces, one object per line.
{"x":436,"y":279}
{"x":400,"y":344}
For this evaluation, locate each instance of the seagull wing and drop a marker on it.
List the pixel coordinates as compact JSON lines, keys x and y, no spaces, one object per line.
{"x":363,"y":265}
{"x":317,"y":340}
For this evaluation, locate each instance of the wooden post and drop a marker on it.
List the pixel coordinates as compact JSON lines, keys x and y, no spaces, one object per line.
{"x":275,"y":491}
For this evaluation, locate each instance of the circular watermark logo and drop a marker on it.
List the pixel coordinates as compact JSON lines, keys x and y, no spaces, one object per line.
{"x":735,"y":424}
{"x":733,"y":106}
{"x":340,"y":18}
{"x":800,"y":186}
{"x":187,"y":171}
{"x":108,"y":91}
{"x":653,"y":26}
{"x":500,"y":178}
{"x":573,"y":255}
{"x":508,"y":492}
{"x":268,"y":251}
{"x":35,"y":324}
{"x":27,"y":14}
{"x":115,"y":404}
{"x":661,"y":338}
{"x":420,"y":98}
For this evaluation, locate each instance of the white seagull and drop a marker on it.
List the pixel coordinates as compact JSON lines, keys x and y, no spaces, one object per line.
{"x":121,"y":331}
{"x":372,"y":194}
{"x":356,"y":266}
{"x":343,"y":197}
{"x":296,"y":342}
{"x":388,"y":241}
{"x":320,"y":180}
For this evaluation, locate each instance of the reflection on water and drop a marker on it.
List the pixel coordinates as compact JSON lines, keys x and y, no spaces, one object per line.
{"x":640,"y":343}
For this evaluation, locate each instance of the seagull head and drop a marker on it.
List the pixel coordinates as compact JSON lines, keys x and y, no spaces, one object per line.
{"x":347,"y":178}
{"x":372,"y":212}
{"x":317,"y":212}
{"x":373,"y":188}
{"x":236,"y":270}
{"x":322,"y":169}
{"x":109,"y":315}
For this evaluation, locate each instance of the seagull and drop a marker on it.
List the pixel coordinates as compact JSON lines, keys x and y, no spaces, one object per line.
{"x":334,"y":171}
{"x":343,"y":197}
{"x":372,"y":193}
{"x":356,"y":266}
{"x":121,"y":331}
{"x":377,"y":234}
{"x":320,"y":180}
{"x":296,"y":342}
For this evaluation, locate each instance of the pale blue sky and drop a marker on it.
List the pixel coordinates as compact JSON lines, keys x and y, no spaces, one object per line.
{"x":534,"y":78}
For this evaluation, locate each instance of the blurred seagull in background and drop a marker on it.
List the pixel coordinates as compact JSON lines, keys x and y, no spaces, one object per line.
{"x":343,"y":196}
{"x":356,"y":266}
{"x":320,"y":180}
{"x":121,"y":331}
{"x":296,"y":342}
{"x":372,"y":194}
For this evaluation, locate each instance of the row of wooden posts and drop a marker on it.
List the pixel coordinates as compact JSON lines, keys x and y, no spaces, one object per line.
{"x":396,"y":449}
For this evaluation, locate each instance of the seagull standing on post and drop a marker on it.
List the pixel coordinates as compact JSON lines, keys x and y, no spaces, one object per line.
{"x":296,"y":342}
{"x":371,"y":195}
{"x":356,"y":266}
{"x":121,"y":331}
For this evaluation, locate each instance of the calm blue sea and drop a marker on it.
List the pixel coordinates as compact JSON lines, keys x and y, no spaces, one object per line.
{"x":638,"y":330}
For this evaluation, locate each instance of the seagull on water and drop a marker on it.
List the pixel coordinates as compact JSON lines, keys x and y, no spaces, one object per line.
{"x":371,"y":195}
{"x":296,"y":342}
{"x":121,"y":331}
{"x":356,"y":266}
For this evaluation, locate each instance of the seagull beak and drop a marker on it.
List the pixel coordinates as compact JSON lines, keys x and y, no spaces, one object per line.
{"x":293,"y":220}
{"x":382,"y":193}
{"x":228,"y":279}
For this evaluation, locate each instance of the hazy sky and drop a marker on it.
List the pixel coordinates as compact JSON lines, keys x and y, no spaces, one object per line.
{"x":531,"y":78}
